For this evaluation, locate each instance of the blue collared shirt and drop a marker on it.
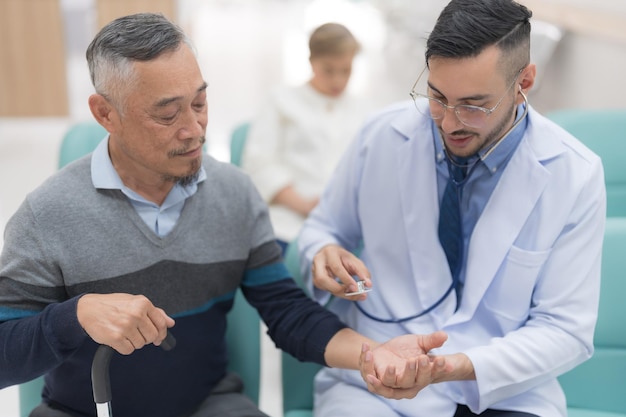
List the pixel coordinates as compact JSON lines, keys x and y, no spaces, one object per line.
{"x":161,"y":219}
{"x":482,"y":178}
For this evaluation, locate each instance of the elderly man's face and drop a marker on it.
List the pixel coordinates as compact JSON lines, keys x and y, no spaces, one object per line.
{"x":161,"y":132}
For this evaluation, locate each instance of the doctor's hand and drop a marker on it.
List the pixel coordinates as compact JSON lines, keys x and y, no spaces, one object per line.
{"x":333,"y":270}
{"x":123,"y":321}
{"x":402,"y":367}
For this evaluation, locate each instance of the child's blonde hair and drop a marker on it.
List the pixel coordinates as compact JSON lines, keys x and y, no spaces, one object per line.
{"x":332,"y":39}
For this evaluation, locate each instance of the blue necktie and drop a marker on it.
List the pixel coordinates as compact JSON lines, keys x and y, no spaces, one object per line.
{"x":450,"y":223}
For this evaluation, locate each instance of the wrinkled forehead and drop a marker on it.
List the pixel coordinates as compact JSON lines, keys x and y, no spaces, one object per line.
{"x":172,"y":74}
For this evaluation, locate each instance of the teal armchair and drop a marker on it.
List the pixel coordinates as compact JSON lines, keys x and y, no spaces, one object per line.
{"x":597,"y":387}
{"x":297,"y":376}
{"x":244,"y":345}
{"x":81,"y":139}
{"x":237,"y":142}
{"x":604,"y":132}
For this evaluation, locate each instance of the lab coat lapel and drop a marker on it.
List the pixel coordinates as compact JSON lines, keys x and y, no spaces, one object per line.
{"x":420,"y":210}
{"x":506,"y":212}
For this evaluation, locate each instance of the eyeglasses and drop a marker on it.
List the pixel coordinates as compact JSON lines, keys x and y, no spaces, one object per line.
{"x":470,"y":116}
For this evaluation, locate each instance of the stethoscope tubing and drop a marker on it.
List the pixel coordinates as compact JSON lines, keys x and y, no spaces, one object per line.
{"x":459,"y":185}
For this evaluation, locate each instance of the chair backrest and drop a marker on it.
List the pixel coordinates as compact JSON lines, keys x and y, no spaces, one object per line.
{"x":80,"y":139}
{"x":237,"y":143}
{"x":600,"y":382}
{"x":604,"y":132}
{"x":243,"y":330}
{"x":243,"y":333}
{"x":244,"y":345}
{"x":297,"y":376}
{"x":30,"y":395}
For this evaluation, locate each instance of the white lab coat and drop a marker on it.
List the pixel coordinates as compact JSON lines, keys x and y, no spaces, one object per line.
{"x":533,"y":270}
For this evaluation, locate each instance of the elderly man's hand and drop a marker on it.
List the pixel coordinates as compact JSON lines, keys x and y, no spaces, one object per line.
{"x":401,"y":367}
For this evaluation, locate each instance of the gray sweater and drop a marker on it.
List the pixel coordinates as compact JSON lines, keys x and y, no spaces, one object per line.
{"x":69,"y":238}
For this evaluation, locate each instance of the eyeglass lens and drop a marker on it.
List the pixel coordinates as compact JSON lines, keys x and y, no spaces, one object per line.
{"x":468,"y":115}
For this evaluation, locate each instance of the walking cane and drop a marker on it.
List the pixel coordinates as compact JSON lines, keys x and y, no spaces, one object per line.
{"x":100,"y":375}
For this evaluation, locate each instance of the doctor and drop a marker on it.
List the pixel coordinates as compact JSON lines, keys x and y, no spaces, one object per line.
{"x":515,"y":282}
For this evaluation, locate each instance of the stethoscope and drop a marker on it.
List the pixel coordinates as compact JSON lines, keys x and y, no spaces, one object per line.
{"x":459,"y":184}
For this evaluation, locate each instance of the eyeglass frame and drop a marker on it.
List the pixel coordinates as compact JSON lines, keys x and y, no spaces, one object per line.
{"x":414,"y":95}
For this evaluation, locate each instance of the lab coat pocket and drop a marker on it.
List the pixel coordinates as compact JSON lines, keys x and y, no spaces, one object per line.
{"x":509,"y":294}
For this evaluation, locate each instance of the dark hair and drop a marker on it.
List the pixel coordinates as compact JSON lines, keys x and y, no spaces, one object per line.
{"x":466,"y":27}
{"x":137,"y":37}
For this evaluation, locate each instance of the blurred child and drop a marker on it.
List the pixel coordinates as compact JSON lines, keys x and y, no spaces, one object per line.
{"x":301,"y":132}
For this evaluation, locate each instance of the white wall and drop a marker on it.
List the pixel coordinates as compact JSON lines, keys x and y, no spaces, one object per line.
{"x":584,"y":72}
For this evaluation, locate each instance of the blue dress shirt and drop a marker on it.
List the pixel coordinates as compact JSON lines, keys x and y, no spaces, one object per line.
{"x":483,"y":175}
{"x":161,"y":219}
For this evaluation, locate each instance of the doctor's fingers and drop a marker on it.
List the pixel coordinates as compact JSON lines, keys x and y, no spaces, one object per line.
{"x":425,"y":369}
{"x":387,"y":374}
{"x":441,"y":368}
{"x":416,"y":375}
{"x":334,"y":263}
{"x":375,"y":386}
{"x":326,"y":266}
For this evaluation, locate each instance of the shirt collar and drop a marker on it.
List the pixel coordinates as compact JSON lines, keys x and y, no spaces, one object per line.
{"x":500,"y":154}
{"x":104,"y":175}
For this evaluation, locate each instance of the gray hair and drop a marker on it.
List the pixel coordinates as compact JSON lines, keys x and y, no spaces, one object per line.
{"x":137,"y":37}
